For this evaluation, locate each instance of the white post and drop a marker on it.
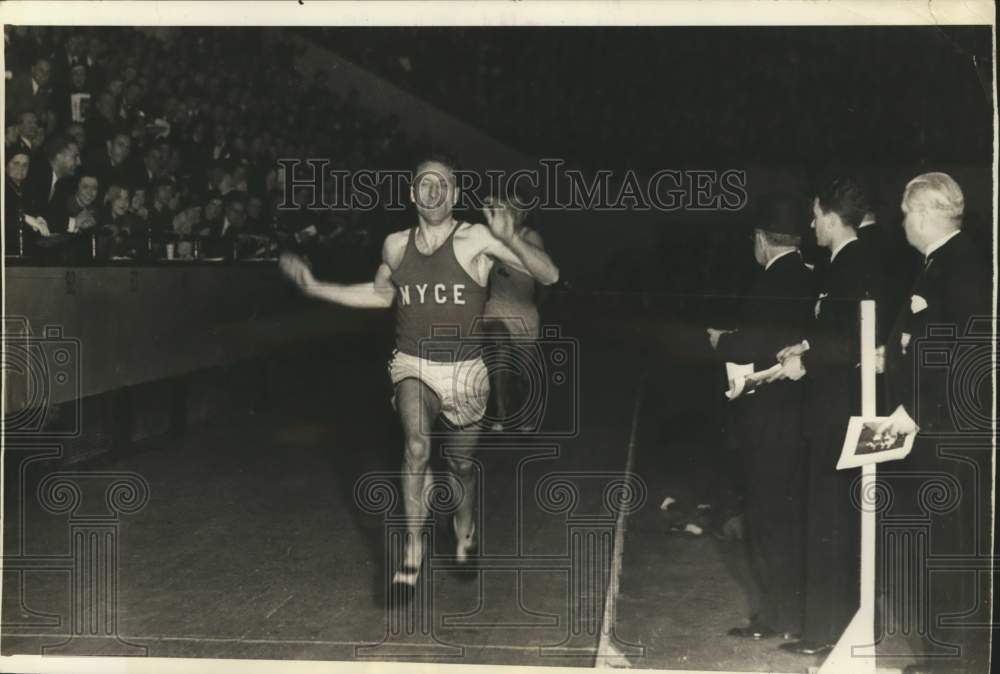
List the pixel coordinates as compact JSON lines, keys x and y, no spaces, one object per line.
{"x":868,"y":409}
{"x":855,"y":651}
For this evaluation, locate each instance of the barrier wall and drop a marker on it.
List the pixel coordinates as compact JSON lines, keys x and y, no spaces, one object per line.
{"x":98,"y":358}
{"x":136,"y":324}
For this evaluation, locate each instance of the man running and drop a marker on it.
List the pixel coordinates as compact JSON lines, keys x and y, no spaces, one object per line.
{"x":513,"y":314}
{"x":437,"y":274}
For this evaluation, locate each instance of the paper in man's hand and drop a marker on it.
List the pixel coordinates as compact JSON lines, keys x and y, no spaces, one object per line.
{"x":864,"y":444}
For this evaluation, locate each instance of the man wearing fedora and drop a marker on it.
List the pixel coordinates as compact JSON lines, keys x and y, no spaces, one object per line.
{"x":776,"y":312}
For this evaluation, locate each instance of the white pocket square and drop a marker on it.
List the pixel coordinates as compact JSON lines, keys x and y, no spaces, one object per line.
{"x":917,"y":304}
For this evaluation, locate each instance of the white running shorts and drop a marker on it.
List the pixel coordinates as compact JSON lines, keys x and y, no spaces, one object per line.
{"x":463,"y":387}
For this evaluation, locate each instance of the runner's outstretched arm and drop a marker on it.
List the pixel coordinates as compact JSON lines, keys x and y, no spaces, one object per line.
{"x":515,"y":250}
{"x":378,"y":294}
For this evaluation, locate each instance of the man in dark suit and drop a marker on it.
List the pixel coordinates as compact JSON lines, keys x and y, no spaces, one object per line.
{"x":776,"y":312}
{"x":49,"y":183}
{"x":102,"y":119}
{"x":947,"y":401}
{"x":110,"y":161}
{"x":30,"y":91}
{"x":27,"y":133}
{"x":829,"y":358}
{"x":887,"y":250}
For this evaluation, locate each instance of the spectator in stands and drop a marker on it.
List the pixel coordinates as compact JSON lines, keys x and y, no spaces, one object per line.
{"x":205,"y":95}
{"x":221,"y":149}
{"x":75,"y":99}
{"x":131,"y":108}
{"x":257,"y":219}
{"x":69,"y":56}
{"x":173,"y":163}
{"x":110,"y":162}
{"x":30,"y":91}
{"x":102,"y":119}
{"x":222,"y":233}
{"x":130,"y":73}
{"x":82,"y":204}
{"x":29,"y":134}
{"x":164,"y":148}
{"x":234,"y":215}
{"x":211,"y":224}
{"x":48,"y":182}
{"x":17,"y":48}
{"x":175,"y":200}
{"x":161,"y":212}
{"x":77,"y":132}
{"x":148,"y":172}
{"x":116,"y":87}
{"x":138,"y":204}
{"x":234,"y":179}
{"x":15,"y":204}
{"x":187,"y":220}
{"x":94,"y":60}
{"x":122,"y":233}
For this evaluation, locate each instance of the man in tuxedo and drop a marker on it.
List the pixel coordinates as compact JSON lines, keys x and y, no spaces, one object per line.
{"x":938,"y":366}
{"x":828,"y":359}
{"x":776,"y":312}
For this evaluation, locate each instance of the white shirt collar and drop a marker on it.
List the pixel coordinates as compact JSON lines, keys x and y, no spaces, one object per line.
{"x":833,"y":255}
{"x":867,"y":221}
{"x":34,"y":86}
{"x":940,"y":242}
{"x":778,"y":256}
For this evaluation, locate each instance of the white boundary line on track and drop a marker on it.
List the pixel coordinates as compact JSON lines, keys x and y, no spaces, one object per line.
{"x":607,"y":654}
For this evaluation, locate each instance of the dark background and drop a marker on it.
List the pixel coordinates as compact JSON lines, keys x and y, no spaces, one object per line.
{"x":789,"y":105}
{"x":627,"y":97}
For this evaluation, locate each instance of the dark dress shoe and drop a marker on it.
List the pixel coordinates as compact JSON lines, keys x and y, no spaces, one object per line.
{"x":806,"y":648}
{"x":753,"y":631}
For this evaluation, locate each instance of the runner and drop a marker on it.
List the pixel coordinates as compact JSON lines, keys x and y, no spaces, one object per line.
{"x":512,"y":311}
{"x":437,"y":274}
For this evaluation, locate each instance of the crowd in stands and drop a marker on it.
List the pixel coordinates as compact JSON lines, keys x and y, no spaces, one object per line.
{"x":121,"y":141}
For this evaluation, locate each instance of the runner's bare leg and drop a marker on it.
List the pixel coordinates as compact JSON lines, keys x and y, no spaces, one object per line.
{"x":462,"y":474}
{"x":418,"y":408}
